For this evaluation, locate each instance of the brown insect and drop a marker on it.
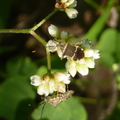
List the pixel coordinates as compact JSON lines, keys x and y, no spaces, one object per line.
{"x":75,"y":52}
{"x":55,"y":100}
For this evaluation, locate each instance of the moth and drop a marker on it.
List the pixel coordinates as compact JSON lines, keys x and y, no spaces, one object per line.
{"x":68,"y":50}
{"x":55,"y":100}
{"x":75,"y":52}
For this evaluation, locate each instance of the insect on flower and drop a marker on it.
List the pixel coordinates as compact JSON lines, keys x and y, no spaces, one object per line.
{"x":55,"y":100}
{"x":75,"y":52}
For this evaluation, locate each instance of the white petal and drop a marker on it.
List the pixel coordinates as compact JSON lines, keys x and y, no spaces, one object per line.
{"x":63,"y":1}
{"x":67,"y":78}
{"x":43,"y":89}
{"x":88,"y":52}
{"x":62,"y":77}
{"x":69,"y":2}
{"x":81,"y":61}
{"x":51,"y":86}
{"x":45,"y":79}
{"x":74,"y":4}
{"x":53,"y":31}
{"x":96,"y":54}
{"x":60,"y":53}
{"x":60,"y":87}
{"x":90,"y":63}
{"x":82,"y":69}
{"x":71,"y":13}
{"x":71,"y":68}
{"x":35,"y":80}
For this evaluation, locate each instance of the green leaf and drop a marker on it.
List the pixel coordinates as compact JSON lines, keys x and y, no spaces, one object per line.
{"x":117,"y":50}
{"x":14,"y":93}
{"x":70,"y":109}
{"x":107,"y":46}
{"x":107,"y":58}
{"x":21,"y":66}
{"x":107,"y":41}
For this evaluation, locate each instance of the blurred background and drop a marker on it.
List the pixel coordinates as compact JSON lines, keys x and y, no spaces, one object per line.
{"x":22,"y":56}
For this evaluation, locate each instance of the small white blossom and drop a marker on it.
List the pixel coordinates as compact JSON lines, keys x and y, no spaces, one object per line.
{"x":50,"y":83}
{"x":83,"y":64}
{"x":68,"y":7}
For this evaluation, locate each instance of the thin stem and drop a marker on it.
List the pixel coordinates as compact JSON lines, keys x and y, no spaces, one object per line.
{"x":48,"y":60}
{"x":15,"y":31}
{"x":87,"y":100}
{"x":46,"y":18}
{"x":38,"y":38}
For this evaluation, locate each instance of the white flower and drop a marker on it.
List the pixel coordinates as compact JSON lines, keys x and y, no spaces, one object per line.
{"x":71,"y":67}
{"x":50,"y":83}
{"x":83,"y":64}
{"x":71,"y":13}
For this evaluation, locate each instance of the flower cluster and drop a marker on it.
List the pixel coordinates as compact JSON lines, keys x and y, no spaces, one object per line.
{"x":82,"y":48}
{"x":50,"y":83}
{"x":83,"y":64}
{"x":68,"y":7}
{"x":61,"y":39}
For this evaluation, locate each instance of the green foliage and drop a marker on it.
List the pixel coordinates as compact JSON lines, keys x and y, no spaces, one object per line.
{"x":70,"y":109}
{"x":109,"y":46}
{"x":16,"y":92}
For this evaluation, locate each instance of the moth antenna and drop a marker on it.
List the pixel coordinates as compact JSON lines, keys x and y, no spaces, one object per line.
{"x":42,"y":111}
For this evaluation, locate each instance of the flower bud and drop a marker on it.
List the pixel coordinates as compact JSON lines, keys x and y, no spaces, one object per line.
{"x":35,"y":80}
{"x":71,"y":13}
{"x":64,"y":35}
{"x":53,"y":31}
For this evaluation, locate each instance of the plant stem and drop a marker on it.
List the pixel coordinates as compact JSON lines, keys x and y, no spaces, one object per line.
{"x":15,"y":31}
{"x":48,"y":60}
{"x":38,"y":38}
{"x":87,"y":100}
{"x":44,"y":20}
